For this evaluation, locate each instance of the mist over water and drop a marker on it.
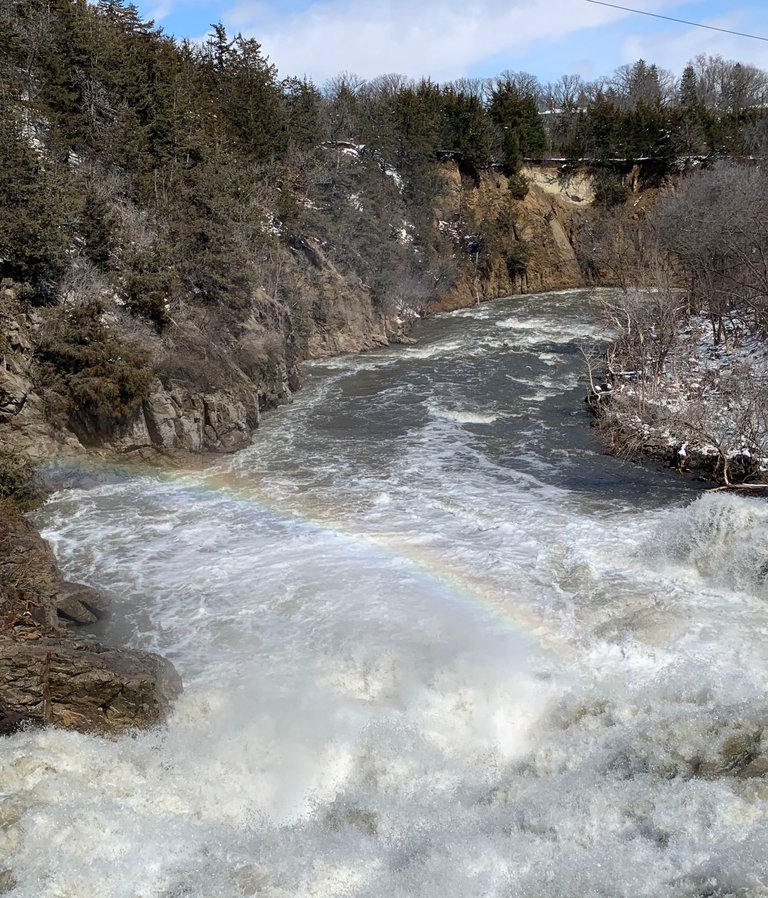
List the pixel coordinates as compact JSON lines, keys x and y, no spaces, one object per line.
{"x":434,"y":644}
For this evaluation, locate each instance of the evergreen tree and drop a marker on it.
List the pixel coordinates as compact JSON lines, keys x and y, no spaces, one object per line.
{"x":66,"y":53}
{"x":688,"y":91}
{"x":417,"y":114}
{"x":516,"y":114}
{"x":303,"y":113}
{"x":466,"y":130}
{"x":598,"y":129}
{"x":34,"y":233}
{"x":343,"y":119}
{"x":96,"y":229}
{"x":247,"y":93}
{"x":417,"y":118}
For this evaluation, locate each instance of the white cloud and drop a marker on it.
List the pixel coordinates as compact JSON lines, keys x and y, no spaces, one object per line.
{"x":682,"y":43}
{"x":439,"y":38}
{"x":159,"y":12}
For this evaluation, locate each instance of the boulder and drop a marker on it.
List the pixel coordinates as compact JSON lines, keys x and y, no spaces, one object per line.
{"x":14,"y":390}
{"x":82,"y":686}
{"x":49,"y":676}
{"x":29,"y":577}
{"x":82,"y":604}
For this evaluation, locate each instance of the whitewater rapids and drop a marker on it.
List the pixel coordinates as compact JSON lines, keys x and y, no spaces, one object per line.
{"x":434,"y":645}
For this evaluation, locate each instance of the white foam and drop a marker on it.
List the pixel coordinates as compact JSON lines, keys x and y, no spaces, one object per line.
{"x":721,"y":540}
{"x":464,"y":417}
{"x":434,"y":350}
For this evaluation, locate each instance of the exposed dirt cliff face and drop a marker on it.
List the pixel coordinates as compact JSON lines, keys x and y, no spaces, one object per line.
{"x":551,"y":215}
{"x":546,"y":220}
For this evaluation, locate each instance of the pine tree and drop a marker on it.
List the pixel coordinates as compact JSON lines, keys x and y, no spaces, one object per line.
{"x":516,"y":114}
{"x":248,"y":94}
{"x":302,"y":104}
{"x":467,"y":132}
{"x":34,"y":238}
{"x":688,"y":91}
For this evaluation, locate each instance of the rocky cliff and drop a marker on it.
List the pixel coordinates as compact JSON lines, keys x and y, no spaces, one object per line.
{"x":211,"y":380}
{"x":545,"y":221}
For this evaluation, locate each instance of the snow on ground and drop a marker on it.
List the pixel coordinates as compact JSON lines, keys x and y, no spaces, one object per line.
{"x":711,"y":399}
{"x":395,"y":175}
{"x":271,"y":225}
{"x":405,"y":233}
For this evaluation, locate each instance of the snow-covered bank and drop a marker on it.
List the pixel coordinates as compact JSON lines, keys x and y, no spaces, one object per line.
{"x":704,"y":407}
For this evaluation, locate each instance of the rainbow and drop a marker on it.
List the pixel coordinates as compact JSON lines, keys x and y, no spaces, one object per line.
{"x":461,"y":585}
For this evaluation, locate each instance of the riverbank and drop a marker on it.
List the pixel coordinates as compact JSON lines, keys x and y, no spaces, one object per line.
{"x":179,"y":394}
{"x":189,"y":392}
{"x":702,"y":413}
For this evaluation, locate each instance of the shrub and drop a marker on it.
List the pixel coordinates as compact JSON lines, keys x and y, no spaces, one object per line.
{"x":518,"y":186}
{"x":147,"y":296}
{"x":99,"y":377}
{"x":609,"y":189}
{"x":18,"y":484}
{"x":517,"y":257}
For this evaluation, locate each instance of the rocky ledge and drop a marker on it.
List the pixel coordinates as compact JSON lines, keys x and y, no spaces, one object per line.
{"x":49,"y":674}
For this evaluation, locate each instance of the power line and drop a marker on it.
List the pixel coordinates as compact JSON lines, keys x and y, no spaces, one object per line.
{"x":656,"y":15}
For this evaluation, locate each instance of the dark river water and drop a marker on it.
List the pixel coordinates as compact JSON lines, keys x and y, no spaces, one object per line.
{"x":434,"y":644}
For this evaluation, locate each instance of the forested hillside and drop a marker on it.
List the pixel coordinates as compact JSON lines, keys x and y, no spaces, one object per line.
{"x":182,"y":224}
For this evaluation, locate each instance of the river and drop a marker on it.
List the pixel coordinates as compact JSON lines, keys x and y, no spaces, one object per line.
{"x":434,"y":645}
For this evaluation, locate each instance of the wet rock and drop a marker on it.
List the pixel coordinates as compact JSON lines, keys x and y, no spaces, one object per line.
{"x":82,"y":604}
{"x":226,"y":424}
{"x":29,"y":577}
{"x":172,"y":421}
{"x":47,"y":676}
{"x":81,"y":686}
{"x":181,"y":418}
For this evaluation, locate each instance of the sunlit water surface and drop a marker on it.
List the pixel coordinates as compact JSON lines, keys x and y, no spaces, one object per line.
{"x":434,"y":644}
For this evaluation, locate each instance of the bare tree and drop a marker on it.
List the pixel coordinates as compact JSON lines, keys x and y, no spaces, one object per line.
{"x":724,"y":416}
{"x":341,"y":94}
{"x":567,"y":94}
{"x":527,"y":85}
{"x":385,"y":87}
{"x":717,"y":229}
{"x":705,"y":256}
{"x":725,"y":86}
{"x":479,"y":88}
{"x":642,"y":84}
{"x":648,"y":321}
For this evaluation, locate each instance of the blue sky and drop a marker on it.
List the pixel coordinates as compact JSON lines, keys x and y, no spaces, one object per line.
{"x":447,"y":39}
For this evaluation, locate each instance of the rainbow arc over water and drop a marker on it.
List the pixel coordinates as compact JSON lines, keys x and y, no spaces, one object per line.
{"x":468,"y":588}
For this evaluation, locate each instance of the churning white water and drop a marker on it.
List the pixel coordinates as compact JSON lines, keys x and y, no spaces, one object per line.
{"x":434,"y":645}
